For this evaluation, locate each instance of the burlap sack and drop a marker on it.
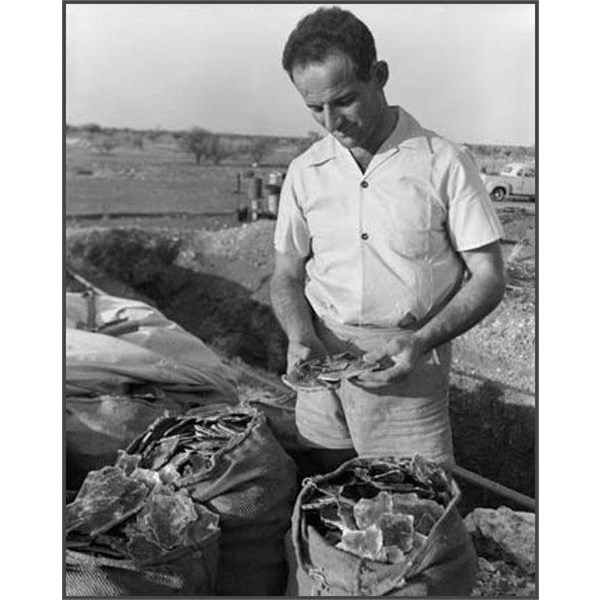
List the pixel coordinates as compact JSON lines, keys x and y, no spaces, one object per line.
{"x":445,"y":565}
{"x":252,"y":487}
{"x":192,"y":571}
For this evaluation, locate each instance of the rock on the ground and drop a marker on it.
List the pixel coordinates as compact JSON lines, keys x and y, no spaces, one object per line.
{"x":497,"y":579}
{"x":504,"y":534}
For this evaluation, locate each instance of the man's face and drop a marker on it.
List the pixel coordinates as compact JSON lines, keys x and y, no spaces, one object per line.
{"x":351,"y":109}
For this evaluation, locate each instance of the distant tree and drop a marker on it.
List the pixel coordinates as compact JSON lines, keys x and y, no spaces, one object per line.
{"x":137,"y":140}
{"x":91,"y":128}
{"x":196,"y":142}
{"x":153,"y":134}
{"x":219,"y":147}
{"x":237,"y":146}
{"x":259,"y":148}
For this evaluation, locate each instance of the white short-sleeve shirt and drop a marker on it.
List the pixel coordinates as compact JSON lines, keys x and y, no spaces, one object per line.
{"x":382,"y":246}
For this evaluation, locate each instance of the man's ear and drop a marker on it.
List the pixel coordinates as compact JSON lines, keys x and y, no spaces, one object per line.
{"x":380,"y":73}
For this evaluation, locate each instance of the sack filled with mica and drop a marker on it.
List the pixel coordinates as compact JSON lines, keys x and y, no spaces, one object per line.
{"x":127,"y":365}
{"x":131,"y":531}
{"x":230,"y":461}
{"x":380,"y":527}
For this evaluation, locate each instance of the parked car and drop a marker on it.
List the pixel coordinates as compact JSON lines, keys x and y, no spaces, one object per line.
{"x":516,"y":180}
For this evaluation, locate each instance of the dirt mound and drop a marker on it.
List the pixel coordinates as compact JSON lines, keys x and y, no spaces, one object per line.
{"x":212,"y":284}
{"x":215,"y":285}
{"x":220,"y":289}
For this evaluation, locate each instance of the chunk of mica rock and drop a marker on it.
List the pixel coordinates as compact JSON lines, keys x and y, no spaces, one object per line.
{"x":106,"y":498}
{"x":367,"y":543}
{"x":165,"y":517}
{"x":397,"y":530}
{"x":368,"y":512}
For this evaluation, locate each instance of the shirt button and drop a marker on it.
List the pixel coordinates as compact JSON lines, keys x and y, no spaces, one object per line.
{"x":364,"y":184}
{"x":364,"y":236}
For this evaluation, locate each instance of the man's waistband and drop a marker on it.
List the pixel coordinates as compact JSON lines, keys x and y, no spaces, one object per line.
{"x":345,"y":330}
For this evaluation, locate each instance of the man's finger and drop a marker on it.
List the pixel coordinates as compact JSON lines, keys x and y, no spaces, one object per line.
{"x":376,"y":379}
{"x":374,"y":355}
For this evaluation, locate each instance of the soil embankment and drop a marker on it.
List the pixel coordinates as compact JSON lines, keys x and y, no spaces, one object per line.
{"x":214,"y":282}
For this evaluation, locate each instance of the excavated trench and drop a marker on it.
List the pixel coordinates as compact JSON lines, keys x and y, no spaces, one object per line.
{"x":494,"y":425}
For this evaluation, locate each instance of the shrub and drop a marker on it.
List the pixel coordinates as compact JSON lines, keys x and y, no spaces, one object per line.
{"x":204,"y":145}
{"x":131,"y":255}
{"x":137,"y":141}
{"x":91,"y":128}
{"x":106,"y":144}
{"x":216,"y":148}
{"x":153,"y":134}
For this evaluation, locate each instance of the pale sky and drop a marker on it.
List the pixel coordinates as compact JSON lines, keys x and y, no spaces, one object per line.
{"x":466,"y":71}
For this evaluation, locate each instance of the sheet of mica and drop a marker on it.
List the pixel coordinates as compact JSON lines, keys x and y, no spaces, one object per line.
{"x":380,"y":510}
{"x":106,"y":498}
{"x":330,"y":371}
{"x":136,"y":509}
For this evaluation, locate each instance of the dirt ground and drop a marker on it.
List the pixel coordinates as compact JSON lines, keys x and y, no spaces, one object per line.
{"x":211,"y":274}
{"x":501,"y":348}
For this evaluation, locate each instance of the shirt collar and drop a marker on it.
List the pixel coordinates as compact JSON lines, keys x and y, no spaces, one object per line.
{"x":323,"y":150}
{"x":408,"y":133}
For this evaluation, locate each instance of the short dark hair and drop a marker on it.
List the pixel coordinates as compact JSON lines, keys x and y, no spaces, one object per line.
{"x":329,"y":31}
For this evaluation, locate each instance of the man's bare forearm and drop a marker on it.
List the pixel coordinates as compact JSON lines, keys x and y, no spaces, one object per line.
{"x":477,"y":298}
{"x":291,"y":308}
{"x":469,"y":306}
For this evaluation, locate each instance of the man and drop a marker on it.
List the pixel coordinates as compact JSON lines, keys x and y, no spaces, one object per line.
{"x":387,"y":246}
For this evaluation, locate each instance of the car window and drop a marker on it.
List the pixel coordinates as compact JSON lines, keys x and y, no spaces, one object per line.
{"x":519,"y":172}
{"x":530,"y":173}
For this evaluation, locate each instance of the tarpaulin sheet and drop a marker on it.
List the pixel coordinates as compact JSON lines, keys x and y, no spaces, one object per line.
{"x":149,"y":348}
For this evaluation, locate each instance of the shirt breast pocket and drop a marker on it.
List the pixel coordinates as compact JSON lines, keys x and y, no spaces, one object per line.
{"x":410,"y":243}
{"x":410,"y":219}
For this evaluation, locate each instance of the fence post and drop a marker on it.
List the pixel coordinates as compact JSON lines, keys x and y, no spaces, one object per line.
{"x":254,"y":195}
{"x":273,"y":192}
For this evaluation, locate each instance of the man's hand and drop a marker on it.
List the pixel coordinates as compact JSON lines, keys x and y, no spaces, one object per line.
{"x":299,"y":351}
{"x":403,"y":353}
{"x":478,"y":297}
{"x":293,"y":311}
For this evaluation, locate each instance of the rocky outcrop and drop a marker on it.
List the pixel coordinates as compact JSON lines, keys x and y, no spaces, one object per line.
{"x":498,"y":579}
{"x":504,"y":534}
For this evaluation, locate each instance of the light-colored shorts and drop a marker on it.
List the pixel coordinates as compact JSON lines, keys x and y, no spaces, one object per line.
{"x":397,"y":420}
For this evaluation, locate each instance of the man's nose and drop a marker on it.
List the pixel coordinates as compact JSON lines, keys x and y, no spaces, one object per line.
{"x":331,"y":118}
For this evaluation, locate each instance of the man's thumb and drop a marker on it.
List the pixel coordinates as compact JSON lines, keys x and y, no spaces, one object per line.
{"x":374,"y":355}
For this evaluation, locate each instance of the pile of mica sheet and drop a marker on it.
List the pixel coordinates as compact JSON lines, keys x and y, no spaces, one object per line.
{"x":378,"y":509}
{"x":135,"y":514}
{"x":138,"y":509}
{"x":330,"y":371}
{"x":185,"y":447}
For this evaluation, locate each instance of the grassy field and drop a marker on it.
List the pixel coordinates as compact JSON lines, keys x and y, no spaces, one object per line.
{"x":136,"y":182}
{"x":156,"y":176}
{"x":159,"y":187}
{"x":159,"y":176}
